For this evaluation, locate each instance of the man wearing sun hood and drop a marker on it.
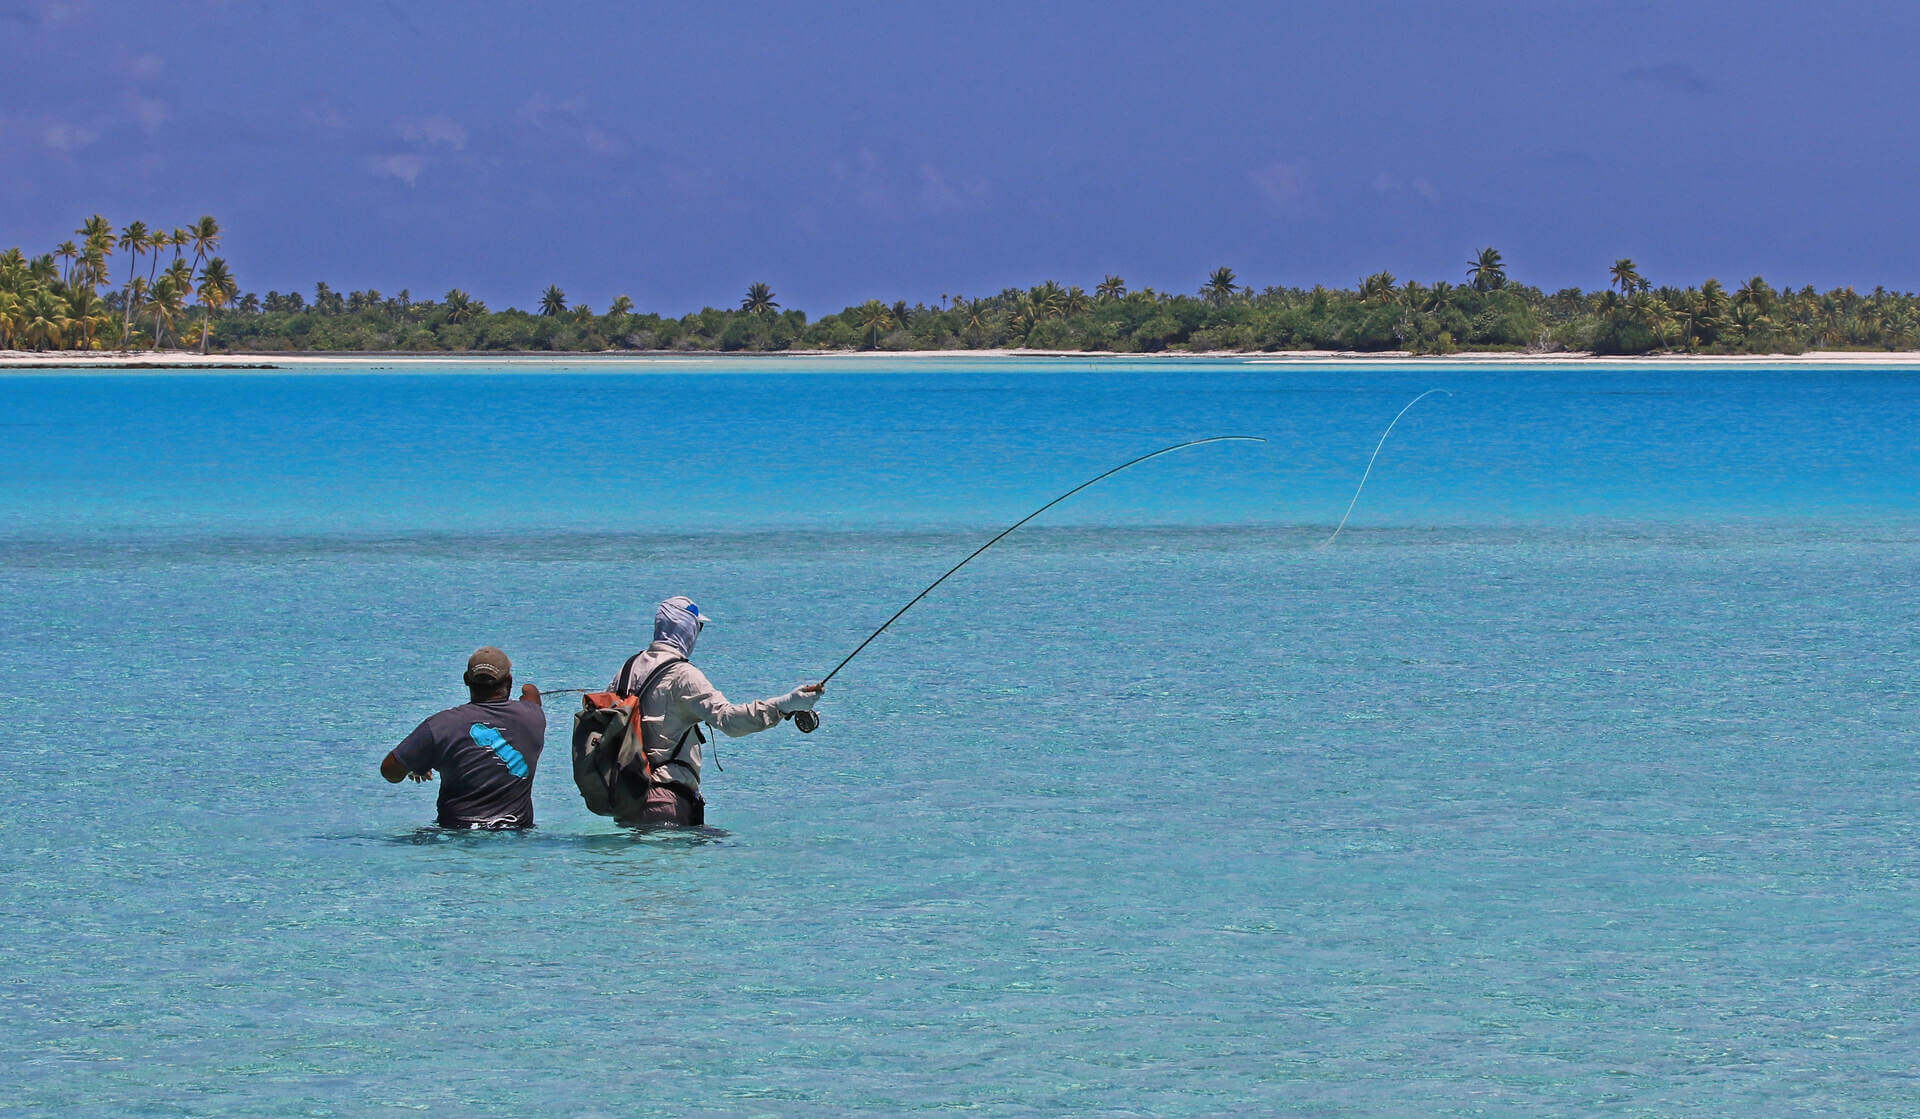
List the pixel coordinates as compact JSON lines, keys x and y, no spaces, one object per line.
{"x":675,"y":699}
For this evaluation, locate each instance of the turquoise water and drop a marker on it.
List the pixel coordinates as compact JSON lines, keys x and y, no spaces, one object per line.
{"x":1576,"y":778}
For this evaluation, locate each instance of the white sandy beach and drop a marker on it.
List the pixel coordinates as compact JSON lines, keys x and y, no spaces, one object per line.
{"x":167,"y":359}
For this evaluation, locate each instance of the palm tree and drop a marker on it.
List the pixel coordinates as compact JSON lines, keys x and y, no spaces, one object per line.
{"x":157,"y":241}
{"x":1900,"y":327}
{"x":1713,"y":299}
{"x":1076,"y":302}
{"x":1689,"y":316}
{"x":620,"y":308}
{"x":1047,"y":301}
{"x":974,"y":317}
{"x":1750,"y":325}
{"x":136,"y":303}
{"x":1485,"y":270}
{"x":1027,"y":311}
{"x":87,"y":314}
{"x":93,"y":265}
{"x":94,"y":259}
{"x":133,"y":239}
{"x":206,"y":237}
{"x":182,"y":275}
{"x":1625,"y":277}
{"x":46,"y":320}
{"x":1110,"y":289}
{"x":1649,"y":311}
{"x":1219,"y":286}
{"x":170,"y":296}
{"x":95,"y":228}
{"x":180,"y":240}
{"x":461,"y":307}
{"x":168,"y":302}
{"x":68,"y":252}
{"x":759,"y":300}
{"x":12,"y":315}
{"x":1377,"y":288}
{"x":1755,"y":293}
{"x":216,"y":291}
{"x":554,"y":301}
{"x":1829,"y":322}
{"x":873,"y":317}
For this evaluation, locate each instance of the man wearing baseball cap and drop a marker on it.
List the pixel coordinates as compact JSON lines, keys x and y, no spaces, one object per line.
{"x":675,"y":700}
{"x":485,"y":750}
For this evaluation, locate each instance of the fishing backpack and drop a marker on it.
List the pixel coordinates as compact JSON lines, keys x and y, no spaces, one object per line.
{"x":610,"y":764}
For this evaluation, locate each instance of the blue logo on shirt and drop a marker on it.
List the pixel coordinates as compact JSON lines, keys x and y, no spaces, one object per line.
{"x":485,"y":735}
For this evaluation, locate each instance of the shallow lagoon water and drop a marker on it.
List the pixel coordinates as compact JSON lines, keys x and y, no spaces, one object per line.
{"x":1576,"y":777}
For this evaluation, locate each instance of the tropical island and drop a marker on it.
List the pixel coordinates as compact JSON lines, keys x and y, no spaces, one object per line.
{"x":69,"y":299}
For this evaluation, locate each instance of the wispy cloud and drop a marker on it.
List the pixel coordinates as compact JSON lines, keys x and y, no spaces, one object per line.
{"x":1284,"y":185}
{"x":66,"y":137}
{"x":406,"y":166}
{"x":1386,"y":184}
{"x":141,"y":67}
{"x":942,"y":193}
{"x":42,"y":13}
{"x":149,"y":112}
{"x":1674,"y":77}
{"x":323,"y":115}
{"x":891,"y":184}
{"x":433,"y":131}
{"x":569,"y":121}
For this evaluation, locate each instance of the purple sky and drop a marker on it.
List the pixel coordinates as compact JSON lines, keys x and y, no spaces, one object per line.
{"x":838,"y":152}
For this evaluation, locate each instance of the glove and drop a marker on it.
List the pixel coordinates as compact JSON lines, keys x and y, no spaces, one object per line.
{"x":799,"y":699}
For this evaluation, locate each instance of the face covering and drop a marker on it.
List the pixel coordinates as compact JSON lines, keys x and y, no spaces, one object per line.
{"x":678,"y":623}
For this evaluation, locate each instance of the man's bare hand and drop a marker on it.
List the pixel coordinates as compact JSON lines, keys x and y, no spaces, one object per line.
{"x":530,"y":694}
{"x":418,"y":777}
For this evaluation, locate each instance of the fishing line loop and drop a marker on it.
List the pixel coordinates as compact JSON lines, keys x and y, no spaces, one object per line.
{"x":1376,"y":454}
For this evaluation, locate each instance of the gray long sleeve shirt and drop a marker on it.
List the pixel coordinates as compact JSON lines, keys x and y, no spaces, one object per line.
{"x":681,"y":699}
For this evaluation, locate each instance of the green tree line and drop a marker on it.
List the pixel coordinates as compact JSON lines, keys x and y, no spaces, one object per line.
{"x":66,"y":299}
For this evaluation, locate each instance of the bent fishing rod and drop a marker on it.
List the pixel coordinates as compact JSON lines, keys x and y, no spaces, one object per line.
{"x":806,"y":721}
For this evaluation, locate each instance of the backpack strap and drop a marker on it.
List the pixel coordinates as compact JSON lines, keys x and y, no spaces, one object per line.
{"x":640,"y":697}
{"x":626,"y":673}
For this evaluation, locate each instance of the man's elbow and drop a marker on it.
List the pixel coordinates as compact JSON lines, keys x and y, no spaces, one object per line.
{"x":392,"y":770}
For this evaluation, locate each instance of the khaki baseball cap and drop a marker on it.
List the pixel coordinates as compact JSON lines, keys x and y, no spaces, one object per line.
{"x":488,"y":665}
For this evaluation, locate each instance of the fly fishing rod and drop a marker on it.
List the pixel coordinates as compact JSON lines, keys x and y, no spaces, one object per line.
{"x":806,"y":721}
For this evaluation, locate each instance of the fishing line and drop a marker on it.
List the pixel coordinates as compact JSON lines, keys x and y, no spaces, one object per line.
{"x":1024,"y":520}
{"x":1376,"y":454}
